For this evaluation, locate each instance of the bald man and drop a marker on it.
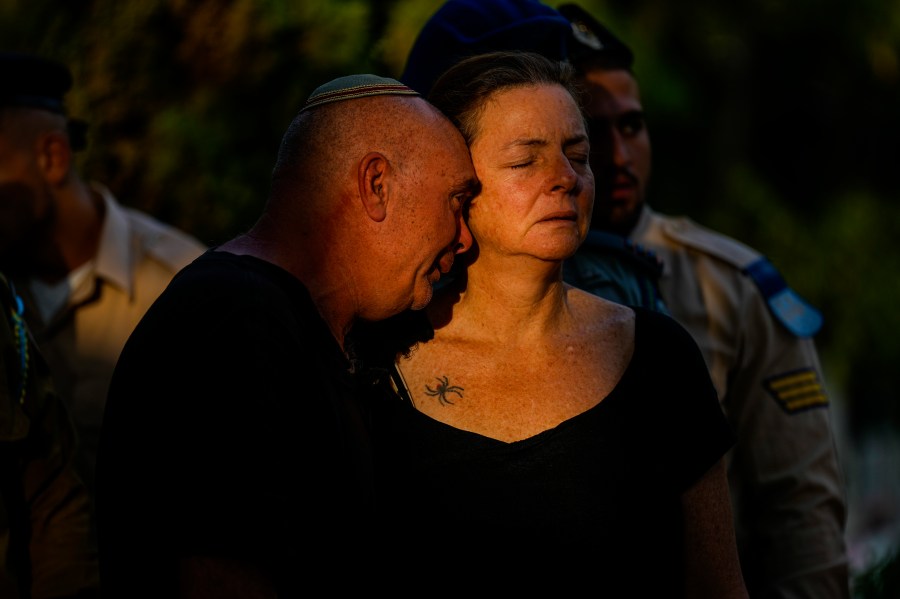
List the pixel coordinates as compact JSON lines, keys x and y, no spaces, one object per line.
{"x":236,"y":458}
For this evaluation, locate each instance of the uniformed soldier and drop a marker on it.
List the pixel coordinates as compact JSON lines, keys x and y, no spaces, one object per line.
{"x":45,"y":533}
{"x":86,"y":267}
{"x":755,"y":333}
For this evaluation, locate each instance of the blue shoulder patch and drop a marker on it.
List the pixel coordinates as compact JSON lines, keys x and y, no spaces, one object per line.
{"x":790,"y":309}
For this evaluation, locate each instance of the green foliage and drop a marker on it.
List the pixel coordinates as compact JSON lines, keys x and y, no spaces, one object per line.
{"x":842,"y":258}
{"x":187,"y":101}
{"x":404,"y":23}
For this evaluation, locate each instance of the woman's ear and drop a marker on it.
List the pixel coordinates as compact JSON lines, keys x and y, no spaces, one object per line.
{"x":374,"y":179}
{"x":54,"y":156}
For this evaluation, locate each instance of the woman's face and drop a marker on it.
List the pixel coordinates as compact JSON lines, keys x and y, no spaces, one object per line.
{"x":531,"y":152}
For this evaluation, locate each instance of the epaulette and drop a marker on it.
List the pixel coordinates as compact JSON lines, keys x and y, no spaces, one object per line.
{"x":791,"y":310}
{"x":622,"y":247}
{"x":168,"y":244}
{"x":698,"y":237}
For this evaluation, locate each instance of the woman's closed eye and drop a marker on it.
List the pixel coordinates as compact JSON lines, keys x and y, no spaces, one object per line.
{"x":523,"y":164}
{"x":578,"y":157}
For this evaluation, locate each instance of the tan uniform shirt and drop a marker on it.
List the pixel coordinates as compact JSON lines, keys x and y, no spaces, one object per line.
{"x":786,"y":483}
{"x":137,"y":258}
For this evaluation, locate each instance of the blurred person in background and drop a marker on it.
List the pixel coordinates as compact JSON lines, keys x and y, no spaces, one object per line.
{"x":755,"y":332}
{"x":46,"y":549}
{"x":86,"y":267}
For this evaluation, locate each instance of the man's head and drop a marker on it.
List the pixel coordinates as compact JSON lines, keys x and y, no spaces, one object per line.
{"x":371,"y":170}
{"x":35,"y":159}
{"x":620,"y":155}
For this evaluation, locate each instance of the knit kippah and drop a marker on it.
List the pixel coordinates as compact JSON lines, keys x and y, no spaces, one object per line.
{"x":356,"y":86}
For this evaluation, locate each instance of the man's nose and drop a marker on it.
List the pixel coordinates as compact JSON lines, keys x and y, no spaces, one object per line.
{"x":621,"y":153}
{"x":463,"y":235}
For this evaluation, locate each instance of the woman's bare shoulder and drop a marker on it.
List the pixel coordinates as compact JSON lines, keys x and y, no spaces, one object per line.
{"x":599,"y":312}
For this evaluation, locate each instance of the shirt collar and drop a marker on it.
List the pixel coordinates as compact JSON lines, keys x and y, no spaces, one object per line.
{"x":114,"y":250}
{"x":643,"y":223}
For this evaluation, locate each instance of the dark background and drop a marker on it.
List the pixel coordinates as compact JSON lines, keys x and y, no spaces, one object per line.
{"x":776,"y":122}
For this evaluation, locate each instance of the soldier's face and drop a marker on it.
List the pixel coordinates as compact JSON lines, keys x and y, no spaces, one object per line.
{"x":620,"y":147}
{"x":26,"y":210}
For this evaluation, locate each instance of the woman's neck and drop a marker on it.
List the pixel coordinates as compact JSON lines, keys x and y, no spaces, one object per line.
{"x":517,"y":299}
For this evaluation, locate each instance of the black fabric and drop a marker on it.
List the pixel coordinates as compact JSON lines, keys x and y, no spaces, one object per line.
{"x":44,"y":507}
{"x":596,"y":498}
{"x":33,"y":81}
{"x":232,"y":429}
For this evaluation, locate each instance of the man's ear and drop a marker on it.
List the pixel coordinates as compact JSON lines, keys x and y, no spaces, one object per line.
{"x":374,"y":179}
{"x":54,"y":156}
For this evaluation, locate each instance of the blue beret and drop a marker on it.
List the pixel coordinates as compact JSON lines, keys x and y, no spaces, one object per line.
{"x":462,"y":28}
{"x":34,"y":82}
{"x":591,"y":38}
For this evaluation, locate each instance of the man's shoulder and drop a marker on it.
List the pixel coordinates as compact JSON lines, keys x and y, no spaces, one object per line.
{"x":163,"y":241}
{"x":687,"y":232}
{"x":154,"y":239}
{"x":624,"y":249}
{"x":616,"y":268}
{"x":785,"y":304}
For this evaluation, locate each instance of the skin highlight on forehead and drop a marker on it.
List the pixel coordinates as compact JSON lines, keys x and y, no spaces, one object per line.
{"x":515,"y":116}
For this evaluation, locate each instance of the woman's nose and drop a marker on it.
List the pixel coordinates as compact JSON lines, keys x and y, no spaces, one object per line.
{"x":564,"y":175}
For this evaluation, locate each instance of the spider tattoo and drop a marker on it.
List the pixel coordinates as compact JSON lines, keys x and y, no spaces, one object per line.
{"x":440,"y":391}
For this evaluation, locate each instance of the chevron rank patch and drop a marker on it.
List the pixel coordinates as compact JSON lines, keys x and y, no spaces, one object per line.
{"x":797,"y":390}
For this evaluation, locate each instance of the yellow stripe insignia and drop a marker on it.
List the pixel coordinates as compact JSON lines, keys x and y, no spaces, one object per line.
{"x":797,"y":390}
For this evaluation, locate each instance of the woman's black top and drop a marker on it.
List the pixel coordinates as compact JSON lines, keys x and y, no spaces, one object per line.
{"x":597,"y":497}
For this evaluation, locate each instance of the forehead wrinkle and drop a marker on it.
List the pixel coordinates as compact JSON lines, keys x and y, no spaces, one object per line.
{"x":537,"y":142}
{"x":575,"y":140}
{"x":526,"y":142}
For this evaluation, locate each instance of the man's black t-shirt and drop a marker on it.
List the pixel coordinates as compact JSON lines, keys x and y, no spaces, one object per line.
{"x":232,"y":429}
